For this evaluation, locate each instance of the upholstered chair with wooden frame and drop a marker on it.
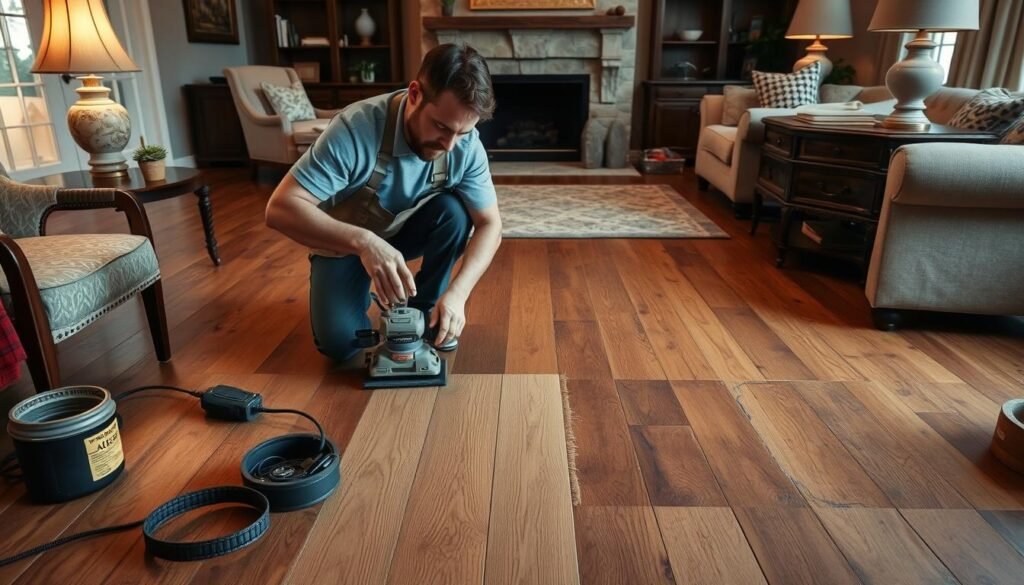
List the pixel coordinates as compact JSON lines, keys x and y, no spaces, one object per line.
{"x":54,"y":286}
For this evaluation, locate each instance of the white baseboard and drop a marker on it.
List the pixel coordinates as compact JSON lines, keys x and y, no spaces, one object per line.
{"x":185,"y":161}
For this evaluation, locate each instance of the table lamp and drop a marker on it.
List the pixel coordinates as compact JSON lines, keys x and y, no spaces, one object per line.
{"x":816,"y":20}
{"x":919,"y":75}
{"x":78,"y":38}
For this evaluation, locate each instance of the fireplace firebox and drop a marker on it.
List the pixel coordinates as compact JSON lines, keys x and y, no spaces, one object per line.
{"x":538,"y":118}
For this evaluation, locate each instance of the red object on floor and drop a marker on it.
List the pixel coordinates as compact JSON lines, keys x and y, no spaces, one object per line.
{"x":11,"y":351}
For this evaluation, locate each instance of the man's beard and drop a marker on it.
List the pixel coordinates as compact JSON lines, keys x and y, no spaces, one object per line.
{"x":426,"y":151}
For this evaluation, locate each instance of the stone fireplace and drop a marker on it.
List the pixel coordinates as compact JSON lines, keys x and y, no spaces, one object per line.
{"x":599,"y":47}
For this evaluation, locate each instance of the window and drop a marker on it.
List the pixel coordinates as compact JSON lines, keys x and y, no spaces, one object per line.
{"x":27,"y":139}
{"x":946,"y":42}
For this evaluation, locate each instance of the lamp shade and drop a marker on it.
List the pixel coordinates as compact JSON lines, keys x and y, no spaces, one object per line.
{"x":933,"y":15}
{"x":826,"y":19}
{"x":78,"y":38}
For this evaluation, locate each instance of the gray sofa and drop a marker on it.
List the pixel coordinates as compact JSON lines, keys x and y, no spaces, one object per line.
{"x":951,"y":233}
{"x":728,"y":157}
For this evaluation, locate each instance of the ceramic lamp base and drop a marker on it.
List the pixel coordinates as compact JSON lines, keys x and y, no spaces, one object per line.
{"x":101,"y":127}
{"x":816,"y":52}
{"x":911,"y":81}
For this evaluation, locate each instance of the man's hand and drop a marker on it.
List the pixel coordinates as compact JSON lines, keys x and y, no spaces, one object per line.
{"x":386,"y":266}
{"x":449,"y":315}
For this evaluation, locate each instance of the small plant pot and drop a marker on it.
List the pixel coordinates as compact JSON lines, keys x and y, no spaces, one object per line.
{"x":153,"y":171}
{"x":367,"y":77}
{"x":448,"y":9}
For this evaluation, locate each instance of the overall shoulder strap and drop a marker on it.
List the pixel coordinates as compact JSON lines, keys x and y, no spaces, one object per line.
{"x":439,"y":174}
{"x":387,"y":144}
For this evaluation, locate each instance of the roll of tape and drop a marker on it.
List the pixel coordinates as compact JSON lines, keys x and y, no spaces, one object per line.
{"x":1008,"y":439}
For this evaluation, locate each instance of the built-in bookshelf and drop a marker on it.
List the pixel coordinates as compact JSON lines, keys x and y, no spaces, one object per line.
{"x":318,"y":38}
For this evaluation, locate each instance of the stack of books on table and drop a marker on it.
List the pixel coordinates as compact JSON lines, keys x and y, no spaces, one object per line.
{"x":840,"y":114}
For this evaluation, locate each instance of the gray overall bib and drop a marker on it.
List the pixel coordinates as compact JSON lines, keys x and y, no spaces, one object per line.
{"x":363,"y":208}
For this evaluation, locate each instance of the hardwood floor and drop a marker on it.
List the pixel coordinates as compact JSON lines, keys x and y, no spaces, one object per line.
{"x":735,"y":423}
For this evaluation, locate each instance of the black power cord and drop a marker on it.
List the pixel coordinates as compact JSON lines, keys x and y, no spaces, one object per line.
{"x":224,"y":402}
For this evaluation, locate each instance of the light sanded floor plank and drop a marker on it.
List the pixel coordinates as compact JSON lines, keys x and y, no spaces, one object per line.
{"x":444,"y":535}
{"x":882,"y":548}
{"x":358,"y":528}
{"x":531,"y":538}
{"x":707,"y":547}
{"x":972,"y":549}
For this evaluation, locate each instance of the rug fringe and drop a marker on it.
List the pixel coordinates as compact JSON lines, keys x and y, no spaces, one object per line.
{"x":570,"y":440}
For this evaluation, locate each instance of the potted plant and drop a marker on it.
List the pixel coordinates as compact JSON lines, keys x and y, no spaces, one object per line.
{"x":366,"y":71}
{"x":151,"y":160}
{"x":447,"y":7}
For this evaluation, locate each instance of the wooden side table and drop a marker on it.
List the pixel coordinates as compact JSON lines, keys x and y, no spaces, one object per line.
{"x":835,"y":175}
{"x":179,"y":181}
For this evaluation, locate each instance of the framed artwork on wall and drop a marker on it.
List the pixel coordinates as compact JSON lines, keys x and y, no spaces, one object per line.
{"x":308,"y":71}
{"x":211,"y":21}
{"x":531,"y":4}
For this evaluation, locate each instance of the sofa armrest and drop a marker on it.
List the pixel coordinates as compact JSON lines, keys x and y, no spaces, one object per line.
{"x":711,"y":110}
{"x":325,"y":114}
{"x":945,"y":174}
{"x":751,"y":126}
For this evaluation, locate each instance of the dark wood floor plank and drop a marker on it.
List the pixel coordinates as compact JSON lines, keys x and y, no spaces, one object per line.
{"x":620,"y":544}
{"x":482,"y":349}
{"x":1009,"y":524}
{"x":580,"y":350}
{"x":792,"y":546}
{"x":570,"y":299}
{"x":770,"y":354}
{"x":746,"y":470}
{"x":674,"y":467}
{"x":650,"y":402}
{"x":607,"y":467}
{"x":967,"y":545}
{"x":907,"y":481}
{"x":824,"y":470}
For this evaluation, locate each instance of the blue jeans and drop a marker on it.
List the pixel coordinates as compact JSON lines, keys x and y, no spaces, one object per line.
{"x":339,"y":288}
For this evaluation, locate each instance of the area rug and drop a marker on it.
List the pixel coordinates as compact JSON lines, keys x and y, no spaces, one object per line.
{"x":600,"y":211}
{"x":556,"y":169}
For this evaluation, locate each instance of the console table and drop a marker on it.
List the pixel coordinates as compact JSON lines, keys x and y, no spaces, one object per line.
{"x":179,"y":181}
{"x":833,"y":174}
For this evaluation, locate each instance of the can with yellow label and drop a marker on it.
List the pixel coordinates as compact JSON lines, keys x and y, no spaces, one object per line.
{"x":68,"y":442}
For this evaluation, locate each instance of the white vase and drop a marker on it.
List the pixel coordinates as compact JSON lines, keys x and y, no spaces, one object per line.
{"x":365,"y":27}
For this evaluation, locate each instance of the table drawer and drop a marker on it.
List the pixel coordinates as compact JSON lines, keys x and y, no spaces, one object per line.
{"x":773,"y":175}
{"x":848,"y":152}
{"x":833,"y":188}
{"x":779,"y":142}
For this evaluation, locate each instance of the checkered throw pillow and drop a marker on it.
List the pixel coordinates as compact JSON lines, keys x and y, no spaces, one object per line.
{"x":788,"y":90}
{"x":990,"y":110}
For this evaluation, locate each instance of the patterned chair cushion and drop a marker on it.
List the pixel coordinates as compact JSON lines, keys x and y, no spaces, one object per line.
{"x":290,"y":102}
{"x":788,"y":90}
{"x":83,"y":276}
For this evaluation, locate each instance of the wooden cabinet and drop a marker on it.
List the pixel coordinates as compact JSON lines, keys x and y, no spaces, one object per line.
{"x":216,"y":130}
{"x":834,"y":178}
{"x":731,"y":37}
{"x":340,"y":60}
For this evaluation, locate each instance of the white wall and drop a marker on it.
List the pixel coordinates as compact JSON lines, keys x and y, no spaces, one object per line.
{"x":182,"y":62}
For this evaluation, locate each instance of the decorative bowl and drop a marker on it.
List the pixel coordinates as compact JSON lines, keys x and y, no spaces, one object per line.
{"x":690,"y":34}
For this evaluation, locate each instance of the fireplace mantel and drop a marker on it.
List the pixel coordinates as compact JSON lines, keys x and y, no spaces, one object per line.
{"x":468,"y":23}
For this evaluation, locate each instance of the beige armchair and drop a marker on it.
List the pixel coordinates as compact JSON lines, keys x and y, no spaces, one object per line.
{"x":270,"y":137}
{"x":729,"y":157}
{"x":951,"y":233}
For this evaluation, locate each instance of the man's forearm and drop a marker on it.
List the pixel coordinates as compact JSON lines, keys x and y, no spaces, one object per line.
{"x":303,"y":222}
{"x":479,"y":253}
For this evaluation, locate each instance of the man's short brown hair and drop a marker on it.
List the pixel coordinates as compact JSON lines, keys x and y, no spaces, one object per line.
{"x":461,"y":70}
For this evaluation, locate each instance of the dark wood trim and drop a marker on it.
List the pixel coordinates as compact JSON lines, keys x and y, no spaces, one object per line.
{"x":30,"y":320}
{"x":527,"y":22}
{"x":153,"y":298}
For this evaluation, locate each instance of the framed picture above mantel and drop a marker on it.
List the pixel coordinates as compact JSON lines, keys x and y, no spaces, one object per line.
{"x":211,"y":21}
{"x":531,"y":4}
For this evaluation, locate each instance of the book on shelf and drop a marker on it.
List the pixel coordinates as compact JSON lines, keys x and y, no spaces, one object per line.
{"x":834,"y":234}
{"x":286,"y":34}
{"x":314,"y":42}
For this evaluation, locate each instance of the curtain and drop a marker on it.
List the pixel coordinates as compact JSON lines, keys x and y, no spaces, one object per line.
{"x":994,"y":55}
{"x":890,"y":49}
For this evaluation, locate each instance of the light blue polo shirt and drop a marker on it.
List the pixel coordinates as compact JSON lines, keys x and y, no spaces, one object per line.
{"x":342,"y":160}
